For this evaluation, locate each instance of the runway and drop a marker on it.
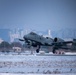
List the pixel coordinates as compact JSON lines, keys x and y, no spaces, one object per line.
{"x":37,"y":64}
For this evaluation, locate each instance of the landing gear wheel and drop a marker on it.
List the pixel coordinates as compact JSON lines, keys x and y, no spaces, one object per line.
{"x":59,"y":52}
{"x":54,"y":51}
{"x":37,"y":50}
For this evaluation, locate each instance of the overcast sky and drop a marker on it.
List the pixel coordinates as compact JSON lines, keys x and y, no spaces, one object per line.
{"x":38,"y":14}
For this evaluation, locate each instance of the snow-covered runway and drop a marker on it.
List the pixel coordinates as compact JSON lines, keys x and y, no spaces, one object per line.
{"x":33,"y":64}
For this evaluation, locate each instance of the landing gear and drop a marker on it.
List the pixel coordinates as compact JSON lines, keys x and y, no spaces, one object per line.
{"x":38,"y":49}
{"x":58,"y":51}
{"x":54,"y":50}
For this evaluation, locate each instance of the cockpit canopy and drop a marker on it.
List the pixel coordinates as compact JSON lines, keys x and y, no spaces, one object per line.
{"x":32,"y":33}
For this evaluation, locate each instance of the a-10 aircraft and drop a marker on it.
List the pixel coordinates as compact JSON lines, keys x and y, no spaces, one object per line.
{"x":36,"y":40}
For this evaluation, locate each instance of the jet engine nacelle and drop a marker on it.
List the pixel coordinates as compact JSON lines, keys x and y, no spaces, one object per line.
{"x":58,"y":40}
{"x":57,"y":44}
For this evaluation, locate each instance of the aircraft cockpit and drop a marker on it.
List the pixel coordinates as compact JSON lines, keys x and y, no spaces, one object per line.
{"x":32,"y":33}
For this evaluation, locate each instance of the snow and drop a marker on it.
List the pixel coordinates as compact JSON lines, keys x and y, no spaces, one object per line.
{"x":32,"y":74}
{"x":70,"y":53}
{"x":37,"y":64}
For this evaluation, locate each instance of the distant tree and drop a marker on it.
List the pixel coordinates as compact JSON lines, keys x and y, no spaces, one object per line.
{"x":16,"y":44}
{"x":5,"y":44}
{"x":25,"y":45}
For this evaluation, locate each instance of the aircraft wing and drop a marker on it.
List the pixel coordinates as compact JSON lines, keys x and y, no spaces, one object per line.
{"x":21,"y":39}
{"x":64,"y":42}
{"x":65,"y":47}
{"x":67,"y":42}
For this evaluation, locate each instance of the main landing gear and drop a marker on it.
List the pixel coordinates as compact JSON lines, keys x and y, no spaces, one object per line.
{"x":38,"y":49}
{"x":58,"y":51}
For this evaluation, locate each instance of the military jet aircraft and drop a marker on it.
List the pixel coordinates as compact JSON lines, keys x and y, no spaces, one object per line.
{"x":36,"y":40}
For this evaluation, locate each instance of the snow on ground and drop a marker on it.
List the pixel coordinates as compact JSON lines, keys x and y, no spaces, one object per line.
{"x":35,"y":64}
{"x":70,"y":53}
{"x":32,"y":74}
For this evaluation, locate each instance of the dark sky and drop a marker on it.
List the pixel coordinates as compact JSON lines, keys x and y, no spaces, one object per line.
{"x":38,"y":14}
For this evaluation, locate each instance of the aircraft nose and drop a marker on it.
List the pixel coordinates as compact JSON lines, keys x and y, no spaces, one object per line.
{"x":25,"y":37}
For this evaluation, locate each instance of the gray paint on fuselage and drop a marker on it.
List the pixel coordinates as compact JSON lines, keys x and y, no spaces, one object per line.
{"x":38,"y":38}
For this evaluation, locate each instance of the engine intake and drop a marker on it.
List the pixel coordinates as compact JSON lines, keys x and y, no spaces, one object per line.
{"x":58,"y":40}
{"x":55,"y":39}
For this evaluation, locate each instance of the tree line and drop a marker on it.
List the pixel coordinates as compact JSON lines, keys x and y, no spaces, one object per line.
{"x":5,"y":46}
